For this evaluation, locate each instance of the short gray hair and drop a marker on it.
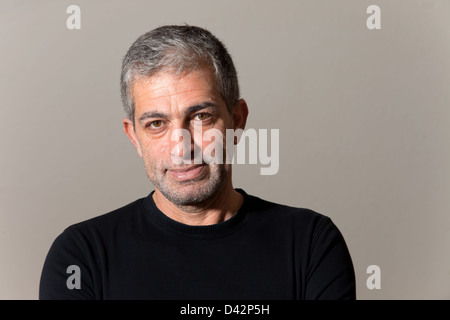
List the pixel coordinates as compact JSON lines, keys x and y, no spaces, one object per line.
{"x":177,"y":49}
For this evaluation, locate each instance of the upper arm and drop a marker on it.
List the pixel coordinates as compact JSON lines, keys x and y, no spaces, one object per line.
{"x":330,"y":270}
{"x":67,"y":250}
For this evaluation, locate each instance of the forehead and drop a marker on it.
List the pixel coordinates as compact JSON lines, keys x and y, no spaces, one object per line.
{"x":166,"y":87}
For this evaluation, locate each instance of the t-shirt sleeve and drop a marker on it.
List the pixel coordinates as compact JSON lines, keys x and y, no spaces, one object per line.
{"x":331,"y":273}
{"x":67,"y":270}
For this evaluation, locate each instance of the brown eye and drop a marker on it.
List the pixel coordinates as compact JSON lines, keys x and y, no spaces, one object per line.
{"x":202,"y":116}
{"x":156,"y":124}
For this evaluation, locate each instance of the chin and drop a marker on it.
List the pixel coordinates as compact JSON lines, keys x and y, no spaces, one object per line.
{"x":192,"y":193}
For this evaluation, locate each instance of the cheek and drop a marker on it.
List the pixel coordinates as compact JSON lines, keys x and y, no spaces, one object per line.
{"x":155,"y":152}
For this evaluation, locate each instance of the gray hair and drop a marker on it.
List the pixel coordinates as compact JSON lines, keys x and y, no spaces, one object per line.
{"x":177,"y":49}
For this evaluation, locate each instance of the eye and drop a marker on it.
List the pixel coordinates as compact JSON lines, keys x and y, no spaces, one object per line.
{"x":155,"y":124}
{"x":202,"y":116}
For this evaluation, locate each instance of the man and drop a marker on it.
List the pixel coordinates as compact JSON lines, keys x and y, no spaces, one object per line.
{"x":195,"y":236}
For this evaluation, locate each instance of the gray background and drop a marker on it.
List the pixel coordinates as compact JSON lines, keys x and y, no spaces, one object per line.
{"x":363,"y":116}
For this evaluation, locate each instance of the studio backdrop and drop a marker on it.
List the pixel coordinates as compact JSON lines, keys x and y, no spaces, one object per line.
{"x":358,"y":92}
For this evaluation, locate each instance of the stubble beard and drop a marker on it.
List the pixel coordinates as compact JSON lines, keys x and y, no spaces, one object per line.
{"x":191,"y":192}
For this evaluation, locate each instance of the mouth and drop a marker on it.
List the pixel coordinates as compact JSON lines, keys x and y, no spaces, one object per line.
{"x":188,"y":173}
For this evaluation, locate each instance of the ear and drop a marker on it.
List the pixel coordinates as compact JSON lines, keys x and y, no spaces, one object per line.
{"x":240,"y":114}
{"x":128,"y":127}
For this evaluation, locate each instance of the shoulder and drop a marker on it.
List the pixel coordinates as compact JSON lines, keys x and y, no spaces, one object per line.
{"x":286,"y":213}
{"x":106,"y":223}
{"x":85,"y":239}
{"x":83,"y":245}
{"x":303,"y":224}
{"x":112,"y":217}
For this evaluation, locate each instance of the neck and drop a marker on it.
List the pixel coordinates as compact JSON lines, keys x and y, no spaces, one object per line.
{"x":217,"y":209}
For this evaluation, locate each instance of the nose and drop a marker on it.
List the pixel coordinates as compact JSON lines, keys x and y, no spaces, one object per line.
{"x":186,"y":144}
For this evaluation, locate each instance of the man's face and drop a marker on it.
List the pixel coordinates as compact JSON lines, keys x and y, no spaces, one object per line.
{"x":165,"y":103}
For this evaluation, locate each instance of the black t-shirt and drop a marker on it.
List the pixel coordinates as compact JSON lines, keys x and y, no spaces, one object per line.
{"x":265,"y":251}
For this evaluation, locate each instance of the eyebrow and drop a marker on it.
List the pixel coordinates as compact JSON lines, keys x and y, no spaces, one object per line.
{"x":189,"y":110}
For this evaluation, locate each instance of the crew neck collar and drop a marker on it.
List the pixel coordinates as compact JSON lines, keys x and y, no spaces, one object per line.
{"x":217,"y":230}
